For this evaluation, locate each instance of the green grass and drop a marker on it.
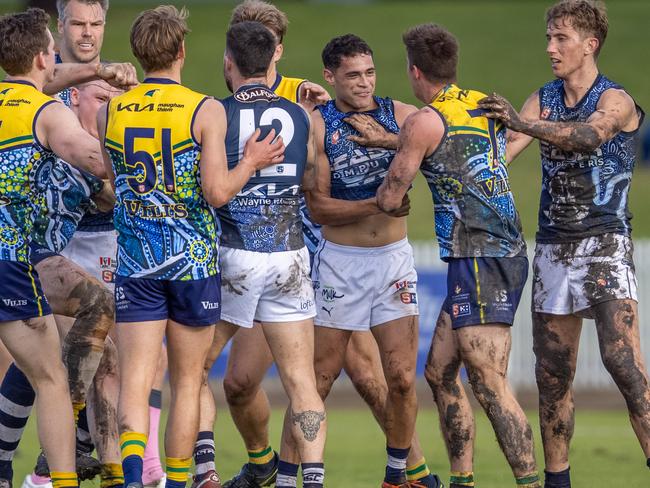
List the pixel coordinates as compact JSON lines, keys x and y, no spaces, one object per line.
{"x":604,"y":451}
{"x":502,"y":49}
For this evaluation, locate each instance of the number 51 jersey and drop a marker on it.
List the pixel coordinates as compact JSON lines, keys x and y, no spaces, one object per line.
{"x":166,"y":229}
{"x":265,"y":214}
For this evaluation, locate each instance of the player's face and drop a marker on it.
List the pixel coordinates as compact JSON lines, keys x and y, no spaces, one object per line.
{"x":86,"y":101}
{"x":82,"y":31}
{"x":354,"y":81}
{"x":566,"y":47}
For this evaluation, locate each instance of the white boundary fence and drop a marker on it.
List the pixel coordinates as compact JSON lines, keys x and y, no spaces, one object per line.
{"x":590,"y":373}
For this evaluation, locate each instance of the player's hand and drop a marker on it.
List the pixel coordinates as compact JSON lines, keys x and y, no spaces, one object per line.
{"x":266,"y":152}
{"x":497,"y":107}
{"x":119,"y":75}
{"x":371,"y":132}
{"x":105,"y":198}
{"x":312,"y":94}
{"x":404,"y":209}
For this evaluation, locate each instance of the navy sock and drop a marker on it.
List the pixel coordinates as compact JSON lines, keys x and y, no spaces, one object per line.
{"x":16,"y":401}
{"x":84,"y":441}
{"x":204,"y":453}
{"x":287,"y":475}
{"x":561,"y":479}
{"x":313,"y":475}
{"x":155,"y":399}
{"x":396,"y":465}
{"x":648,"y":462}
{"x":132,"y":467}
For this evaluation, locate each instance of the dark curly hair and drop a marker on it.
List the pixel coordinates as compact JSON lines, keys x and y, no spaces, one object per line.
{"x":434,"y":50}
{"x":586,"y":16}
{"x":343,"y":46}
{"x":22,"y":36}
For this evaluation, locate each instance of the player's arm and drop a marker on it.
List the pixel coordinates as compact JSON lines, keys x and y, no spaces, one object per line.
{"x":120,"y":75}
{"x":311,"y":94}
{"x":614,"y":112}
{"x":322,"y":207}
{"x":220,"y":185}
{"x":372,"y":133}
{"x":58,"y":129}
{"x":518,"y":141}
{"x":102,"y":115}
{"x":418,"y":138}
{"x":310,"y":176}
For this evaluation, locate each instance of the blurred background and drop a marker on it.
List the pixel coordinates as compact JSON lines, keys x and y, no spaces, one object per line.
{"x":502,"y":49}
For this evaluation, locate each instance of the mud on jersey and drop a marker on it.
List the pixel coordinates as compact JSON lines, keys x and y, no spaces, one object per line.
{"x":583,"y":194}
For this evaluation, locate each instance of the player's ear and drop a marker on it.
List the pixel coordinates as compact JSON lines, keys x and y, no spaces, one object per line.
{"x":39,"y":61}
{"x":279,"y":50}
{"x":591,"y":45}
{"x":59,"y":26}
{"x":74,"y":96}
{"x":181,"y":51}
{"x":329,"y":76}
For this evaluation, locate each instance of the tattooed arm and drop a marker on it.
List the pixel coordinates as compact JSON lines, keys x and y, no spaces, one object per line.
{"x":372,"y":133}
{"x":615,"y":112}
{"x":420,"y":136}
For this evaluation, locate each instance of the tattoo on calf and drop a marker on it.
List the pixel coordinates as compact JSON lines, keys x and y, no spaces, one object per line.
{"x":309,"y":422}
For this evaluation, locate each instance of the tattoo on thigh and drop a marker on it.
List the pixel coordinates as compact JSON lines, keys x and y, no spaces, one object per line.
{"x":309,"y":422}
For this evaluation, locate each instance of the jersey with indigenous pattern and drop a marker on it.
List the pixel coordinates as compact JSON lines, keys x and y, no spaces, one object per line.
{"x":166,"y":229}
{"x":356,"y":171}
{"x":265,"y":214}
{"x":583,"y":194}
{"x":475,"y":212}
{"x":22,"y":157}
{"x":289,"y":88}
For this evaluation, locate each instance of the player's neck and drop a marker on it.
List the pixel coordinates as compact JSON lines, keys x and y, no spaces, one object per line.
{"x":168,"y":74}
{"x":272,"y":75}
{"x":578,"y":83}
{"x":33,"y":79}
{"x":432,"y":91}
{"x":238,"y":82}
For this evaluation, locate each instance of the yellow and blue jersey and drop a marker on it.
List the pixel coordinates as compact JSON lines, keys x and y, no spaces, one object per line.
{"x":288,"y":88}
{"x":166,"y":229}
{"x":21,"y":158}
{"x":475,"y":212}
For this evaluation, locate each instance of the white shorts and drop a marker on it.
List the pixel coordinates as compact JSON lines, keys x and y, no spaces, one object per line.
{"x":96,"y":252}
{"x":574,"y":276}
{"x":360,"y":287}
{"x":265,"y":287}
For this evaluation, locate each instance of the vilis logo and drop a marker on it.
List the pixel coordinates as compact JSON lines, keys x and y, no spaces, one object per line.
{"x":208,"y":305}
{"x":336,"y":136}
{"x":150,"y":93}
{"x":14,"y":303}
{"x":545,"y":113}
{"x":4,"y":200}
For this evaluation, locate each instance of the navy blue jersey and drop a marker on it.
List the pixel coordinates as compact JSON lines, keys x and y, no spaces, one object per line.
{"x":356,"y":170}
{"x":583,"y":194}
{"x":265,"y":214}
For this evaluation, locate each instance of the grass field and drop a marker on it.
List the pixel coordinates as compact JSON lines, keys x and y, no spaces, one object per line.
{"x":502,"y":48}
{"x":604,"y":452}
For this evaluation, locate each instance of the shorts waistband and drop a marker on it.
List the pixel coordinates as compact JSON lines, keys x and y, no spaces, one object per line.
{"x":366,"y":251}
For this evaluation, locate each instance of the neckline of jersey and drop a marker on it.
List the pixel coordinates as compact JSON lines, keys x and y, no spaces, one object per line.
{"x":160,"y":81}
{"x":20,"y":82}
{"x":584,"y":97}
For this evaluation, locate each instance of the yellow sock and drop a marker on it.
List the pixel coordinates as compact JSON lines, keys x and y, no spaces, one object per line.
{"x":462,"y":478}
{"x":132,"y":443}
{"x":111,"y":475}
{"x":64,"y":479}
{"x":177,"y":469}
{"x":260,"y":456}
{"x":418,"y":470}
{"x":76,"y":408}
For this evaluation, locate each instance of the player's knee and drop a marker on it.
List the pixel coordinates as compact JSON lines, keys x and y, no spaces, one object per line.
{"x":487,"y":384}
{"x":620,"y":364}
{"x":554,"y":378}
{"x":372,"y":390}
{"x":401,"y":383}
{"x":47,"y":376}
{"x":239,"y":390}
{"x":324,"y":382}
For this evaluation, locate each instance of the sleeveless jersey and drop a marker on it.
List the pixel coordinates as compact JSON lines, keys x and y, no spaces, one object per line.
{"x":583,"y":194}
{"x":288,"y":88}
{"x":474,"y":209}
{"x":356,"y":171}
{"x":166,"y":229}
{"x":21,"y":159}
{"x":265,"y":214}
